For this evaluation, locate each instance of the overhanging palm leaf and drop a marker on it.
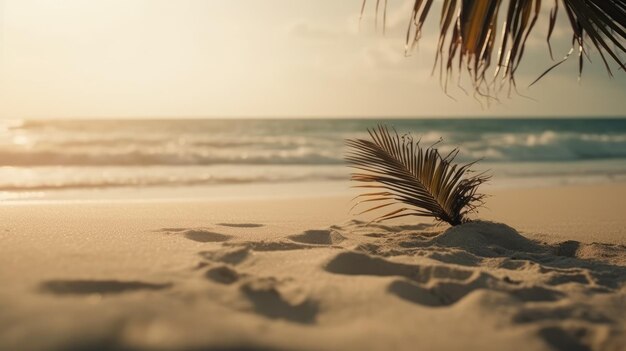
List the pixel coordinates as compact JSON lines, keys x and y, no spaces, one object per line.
{"x":468,"y":29}
{"x":402,"y":172}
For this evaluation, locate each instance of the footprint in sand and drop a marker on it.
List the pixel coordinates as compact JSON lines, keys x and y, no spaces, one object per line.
{"x":356,"y":263}
{"x":200,"y":235}
{"x":445,"y":293}
{"x":266,"y":295}
{"x":415,"y":293}
{"x":267,"y":300}
{"x":565,"y":339}
{"x":241,"y":225}
{"x":558,"y":314}
{"x":271,"y":245}
{"x":433,"y":285}
{"x":318,"y":237}
{"x":204,"y":236}
{"x":222,"y":274}
{"x":87,"y":287}
{"x":232,"y":256}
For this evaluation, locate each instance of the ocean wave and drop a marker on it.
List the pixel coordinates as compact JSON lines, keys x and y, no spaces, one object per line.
{"x":154,"y":153}
{"x":200,"y":143}
{"x":547,"y":146}
{"x":33,"y":179}
{"x":165,"y":157}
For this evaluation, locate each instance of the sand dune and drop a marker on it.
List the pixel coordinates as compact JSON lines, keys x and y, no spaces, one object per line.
{"x":263,"y":284}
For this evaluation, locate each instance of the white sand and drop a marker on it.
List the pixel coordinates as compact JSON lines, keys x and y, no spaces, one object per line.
{"x":301,"y":274}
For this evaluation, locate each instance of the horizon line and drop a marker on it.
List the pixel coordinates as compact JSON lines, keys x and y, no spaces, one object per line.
{"x":182,"y":118}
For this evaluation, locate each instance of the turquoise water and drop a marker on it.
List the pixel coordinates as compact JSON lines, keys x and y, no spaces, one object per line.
{"x":49,"y":156}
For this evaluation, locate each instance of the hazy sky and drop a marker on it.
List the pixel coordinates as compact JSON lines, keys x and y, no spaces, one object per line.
{"x":216,"y":58}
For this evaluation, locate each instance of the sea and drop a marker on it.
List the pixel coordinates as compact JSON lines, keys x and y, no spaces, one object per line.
{"x":220,"y":158}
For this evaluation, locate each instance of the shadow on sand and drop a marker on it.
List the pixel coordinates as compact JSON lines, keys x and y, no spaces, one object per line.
{"x":87,"y":287}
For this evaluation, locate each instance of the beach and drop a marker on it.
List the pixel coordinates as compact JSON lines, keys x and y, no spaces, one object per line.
{"x":284,"y":175}
{"x":543,"y":270}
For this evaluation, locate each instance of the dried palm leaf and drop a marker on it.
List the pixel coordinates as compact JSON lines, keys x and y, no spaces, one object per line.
{"x":468,"y":29}
{"x":402,"y":172}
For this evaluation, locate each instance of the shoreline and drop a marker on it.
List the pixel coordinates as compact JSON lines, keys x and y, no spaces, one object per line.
{"x":265,"y":191}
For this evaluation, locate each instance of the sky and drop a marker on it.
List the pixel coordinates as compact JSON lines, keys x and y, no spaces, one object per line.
{"x":256,"y":58}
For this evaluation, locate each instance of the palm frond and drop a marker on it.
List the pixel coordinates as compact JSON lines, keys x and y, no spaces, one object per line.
{"x":468,"y":31}
{"x":399,"y":171}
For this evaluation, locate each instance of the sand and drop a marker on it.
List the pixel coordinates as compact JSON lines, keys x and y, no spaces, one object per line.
{"x":544,"y":270}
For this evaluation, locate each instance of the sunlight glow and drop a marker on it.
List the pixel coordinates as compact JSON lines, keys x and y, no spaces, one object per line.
{"x":254,"y":58}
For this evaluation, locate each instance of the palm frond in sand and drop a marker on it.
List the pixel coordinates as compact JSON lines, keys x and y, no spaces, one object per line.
{"x":468,"y":31}
{"x":400,"y":171}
